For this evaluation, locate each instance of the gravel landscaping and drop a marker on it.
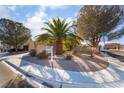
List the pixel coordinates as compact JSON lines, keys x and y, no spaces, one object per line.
{"x":82,"y":63}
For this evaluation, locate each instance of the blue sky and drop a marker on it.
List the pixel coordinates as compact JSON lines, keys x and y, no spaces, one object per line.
{"x":34,"y":16}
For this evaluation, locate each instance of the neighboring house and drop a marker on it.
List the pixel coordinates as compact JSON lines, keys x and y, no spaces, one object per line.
{"x":27,"y":46}
{"x":110,"y":46}
{"x":122,"y":47}
{"x":3,"y":47}
{"x":113,"y":46}
{"x":30,"y":44}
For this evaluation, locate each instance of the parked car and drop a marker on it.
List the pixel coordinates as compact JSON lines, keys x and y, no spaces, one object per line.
{"x":14,"y":50}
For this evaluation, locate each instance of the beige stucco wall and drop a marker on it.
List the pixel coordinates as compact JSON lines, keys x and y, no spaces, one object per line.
{"x":38,"y":47}
{"x":30,"y":43}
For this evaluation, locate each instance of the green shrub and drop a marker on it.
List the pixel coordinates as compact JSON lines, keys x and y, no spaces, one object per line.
{"x":69,"y":57}
{"x":118,"y":46}
{"x":33,"y":52}
{"x":42,"y":55}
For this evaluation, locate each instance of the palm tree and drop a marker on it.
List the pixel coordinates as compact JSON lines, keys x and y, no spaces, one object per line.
{"x":73,"y":40}
{"x":58,"y":31}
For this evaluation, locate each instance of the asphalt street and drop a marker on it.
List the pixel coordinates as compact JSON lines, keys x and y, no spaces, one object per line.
{"x":5,"y":74}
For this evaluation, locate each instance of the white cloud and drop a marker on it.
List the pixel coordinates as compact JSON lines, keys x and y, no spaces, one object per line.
{"x":69,"y":19}
{"x":12,"y":8}
{"x":42,"y":8}
{"x":53,"y":7}
{"x":36,"y":22}
{"x":57,"y":7}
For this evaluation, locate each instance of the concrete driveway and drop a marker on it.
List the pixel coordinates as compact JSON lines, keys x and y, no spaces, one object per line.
{"x":112,"y":76}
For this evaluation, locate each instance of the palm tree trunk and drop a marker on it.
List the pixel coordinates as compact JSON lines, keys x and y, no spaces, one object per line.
{"x":59,"y":47}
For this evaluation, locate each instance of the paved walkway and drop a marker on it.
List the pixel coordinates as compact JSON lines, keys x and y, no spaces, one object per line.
{"x":112,"y":76}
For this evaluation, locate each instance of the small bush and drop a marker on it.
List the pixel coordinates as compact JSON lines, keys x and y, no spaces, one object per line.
{"x":42,"y":55}
{"x":33,"y":52}
{"x":69,"y":57}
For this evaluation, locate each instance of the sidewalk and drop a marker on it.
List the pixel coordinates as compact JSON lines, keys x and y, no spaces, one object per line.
{"x":113,"y":76}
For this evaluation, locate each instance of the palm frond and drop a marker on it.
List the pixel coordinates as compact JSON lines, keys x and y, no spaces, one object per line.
{"x":58,"y":30}
{"x":43,"y":37}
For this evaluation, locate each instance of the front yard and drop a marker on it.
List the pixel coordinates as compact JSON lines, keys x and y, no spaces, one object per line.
{"x":82,"y":63}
